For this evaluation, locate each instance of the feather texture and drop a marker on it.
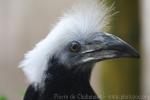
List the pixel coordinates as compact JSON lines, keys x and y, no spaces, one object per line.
{"x":84,"y":18}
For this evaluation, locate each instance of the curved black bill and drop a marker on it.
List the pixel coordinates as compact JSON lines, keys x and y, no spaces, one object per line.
{"x":107,"y":46}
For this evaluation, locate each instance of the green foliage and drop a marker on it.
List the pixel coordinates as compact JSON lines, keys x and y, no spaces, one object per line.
{"x":3,"y":98}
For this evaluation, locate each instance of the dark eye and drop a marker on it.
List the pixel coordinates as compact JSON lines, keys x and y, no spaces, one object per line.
{"x":75,"y":46}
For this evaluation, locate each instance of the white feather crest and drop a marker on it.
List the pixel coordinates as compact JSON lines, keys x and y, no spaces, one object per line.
{"x":85,"y":17}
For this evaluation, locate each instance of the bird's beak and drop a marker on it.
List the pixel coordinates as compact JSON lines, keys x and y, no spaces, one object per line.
{"x":107,"y":46}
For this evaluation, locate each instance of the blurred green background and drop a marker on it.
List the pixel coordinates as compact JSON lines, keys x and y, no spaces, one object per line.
{"x":121,"y":77}
{"x":3,"y":98}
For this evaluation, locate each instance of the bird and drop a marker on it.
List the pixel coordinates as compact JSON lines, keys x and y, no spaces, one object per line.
{"x":60,"y":65}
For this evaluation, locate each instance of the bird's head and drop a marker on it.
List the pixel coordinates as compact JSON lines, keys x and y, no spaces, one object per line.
{"x":78,"y":38}
{"x":92,"y":48}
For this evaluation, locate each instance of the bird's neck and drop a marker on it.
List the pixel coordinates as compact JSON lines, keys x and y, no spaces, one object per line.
{"x":64,"y":82}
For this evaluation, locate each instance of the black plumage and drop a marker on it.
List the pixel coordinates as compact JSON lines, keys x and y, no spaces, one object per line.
{"x":62,"y":83}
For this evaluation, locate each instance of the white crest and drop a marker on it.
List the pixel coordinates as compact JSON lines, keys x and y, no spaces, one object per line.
{"x":84,"y":18}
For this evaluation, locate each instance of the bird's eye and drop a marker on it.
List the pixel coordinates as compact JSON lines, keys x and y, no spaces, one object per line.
{"x":75,"y":46}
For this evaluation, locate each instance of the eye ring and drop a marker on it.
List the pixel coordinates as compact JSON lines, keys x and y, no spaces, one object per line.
{"x":75,"y":46}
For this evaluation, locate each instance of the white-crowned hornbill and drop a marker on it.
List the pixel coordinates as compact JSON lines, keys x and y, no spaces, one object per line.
{"x":59,"y":66}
